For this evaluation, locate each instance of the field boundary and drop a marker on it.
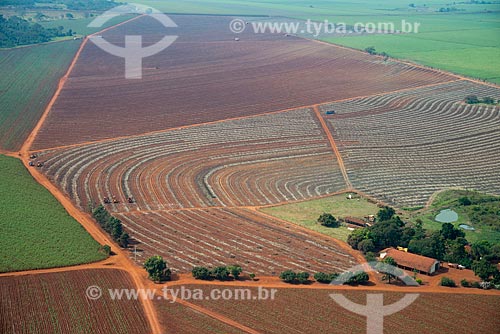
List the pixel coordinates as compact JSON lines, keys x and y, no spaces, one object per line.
{"x":310,"y":106}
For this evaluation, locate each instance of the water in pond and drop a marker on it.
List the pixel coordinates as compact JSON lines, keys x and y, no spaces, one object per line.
{"x":466,"y":227}
{"x":447,"y":216}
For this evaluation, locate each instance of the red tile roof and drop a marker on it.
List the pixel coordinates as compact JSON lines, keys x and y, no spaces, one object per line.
{"x":410,"y":260}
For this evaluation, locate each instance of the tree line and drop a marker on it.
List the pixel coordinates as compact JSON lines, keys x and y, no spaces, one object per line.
{"x":111,"y":225}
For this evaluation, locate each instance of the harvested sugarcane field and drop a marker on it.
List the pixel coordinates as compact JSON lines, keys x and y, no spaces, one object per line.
{"x":221,"y":166}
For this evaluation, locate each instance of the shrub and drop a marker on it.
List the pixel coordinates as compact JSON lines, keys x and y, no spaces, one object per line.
{"x":419,"y":281}
{"x":288,"y":276}
{"x":465,"y":283}
{"x":325,"y":278}
{"x":303,"y":277}
{"x":446,"y":281}
{"x":201,"y":273}
{"x":235,"y":271}
{"x":328,"y":220}
{"x":475,"y":285}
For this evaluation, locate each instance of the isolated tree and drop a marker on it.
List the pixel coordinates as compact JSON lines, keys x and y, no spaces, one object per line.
{"x":325,"y":278}
{"x":446,"y":281}
{"x":303,"y":277}
{"x":288,"y":276}
{"x":327,"y":220}
{"x":201,"y":273}
{"x":123,"y":240}
{"x":155,"y":266}
{"x":252,"y":276}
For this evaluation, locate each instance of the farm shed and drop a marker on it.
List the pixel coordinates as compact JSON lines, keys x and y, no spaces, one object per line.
{"x":356,"y":222}
{"x":410,"y":261}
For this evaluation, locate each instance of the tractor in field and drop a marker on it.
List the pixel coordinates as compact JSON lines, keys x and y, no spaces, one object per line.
{"x":31,"y":163}
{"x":106,"y":200}
{"x":130,"y":200}
{"x":115,"y":200}
{"x":39,"y":164}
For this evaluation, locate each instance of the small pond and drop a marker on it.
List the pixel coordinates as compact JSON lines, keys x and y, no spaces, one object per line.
{"x":467,"y":227}
{"x":447,"y":216}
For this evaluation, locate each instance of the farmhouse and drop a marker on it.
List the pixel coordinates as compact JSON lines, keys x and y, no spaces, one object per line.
{"x":409,"y":261}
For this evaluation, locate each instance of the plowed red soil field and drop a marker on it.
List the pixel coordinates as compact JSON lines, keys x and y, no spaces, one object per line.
{"x":206,"y":76}
{"x":57,"y":303}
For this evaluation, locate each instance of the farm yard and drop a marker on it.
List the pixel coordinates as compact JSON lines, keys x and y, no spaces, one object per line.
{"x":185,"y":84}
{"x":56,"y":303}
{"x":431,"y":312}
{"x":403,"y":147}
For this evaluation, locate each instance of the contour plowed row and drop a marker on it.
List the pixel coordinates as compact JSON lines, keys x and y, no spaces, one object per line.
{"x":403,"y":147}
{"x":255,"y":161}
{"x":211,"y":237}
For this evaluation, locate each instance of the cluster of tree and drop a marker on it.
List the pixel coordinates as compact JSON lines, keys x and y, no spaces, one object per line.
{"x":449,"y":9}
{"x":474,"y":99}
{"x":157,"y":269}
{"x":290,"y":276}
{"x":94,"y":5}
{"x":221,"y":273}
{"x":447,"y":244}
{"x":16,"y":31}
{"x":111,"y":225}
{"x":24,"y":3}
{"x":353,"y":278}
{"x":327,"y":220}
{"x":325,"y":278}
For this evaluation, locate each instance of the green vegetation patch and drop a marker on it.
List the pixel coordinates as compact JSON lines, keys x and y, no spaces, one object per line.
{"x":306,"y":214}
{"x":35,"y":230}
{"x":29,"y":79}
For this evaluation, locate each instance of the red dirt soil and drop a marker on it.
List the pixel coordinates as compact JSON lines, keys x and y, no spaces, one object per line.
{"x":313,"y":311}
{"x":207,"y":76}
